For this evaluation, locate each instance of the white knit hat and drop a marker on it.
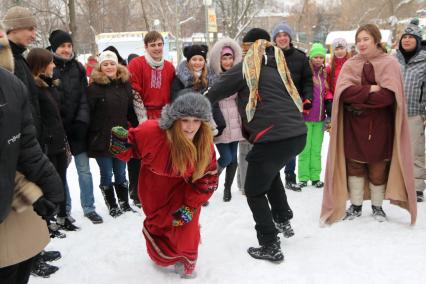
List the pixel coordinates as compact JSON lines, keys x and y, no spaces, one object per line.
{"x":108,"y":55}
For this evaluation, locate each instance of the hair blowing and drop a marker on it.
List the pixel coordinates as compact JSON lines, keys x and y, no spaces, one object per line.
{"x":374,"y":31}
{"x":190,"y":154}
{"x":38,"y":59}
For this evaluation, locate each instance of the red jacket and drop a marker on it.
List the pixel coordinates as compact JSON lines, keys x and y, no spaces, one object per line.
{"x":332,"y":81}
{"x":153,"y":85}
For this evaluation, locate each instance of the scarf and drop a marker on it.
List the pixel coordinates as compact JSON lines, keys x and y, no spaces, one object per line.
{"x":251,"y":71}
{"x":153,"y":63}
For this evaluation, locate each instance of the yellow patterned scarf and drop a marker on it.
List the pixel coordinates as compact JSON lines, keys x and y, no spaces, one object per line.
{"x":251,"y":71}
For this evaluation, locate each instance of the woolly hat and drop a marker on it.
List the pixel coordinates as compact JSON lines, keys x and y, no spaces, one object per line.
{"x":192,"y":50}
{"x":59,"y":37}
{"x":282,"y":27}
{"x":113,"y":49}
{"x":255,"y":34}
{"x":131,"y":57}
{"x":19,"y":18}
{"x":339,"y":42}
{"x":413,"y":29}
{"x":226,"y":50}
{"x":107,"y":55}
{"x":317,"y":49}
{"x":187,"y":104}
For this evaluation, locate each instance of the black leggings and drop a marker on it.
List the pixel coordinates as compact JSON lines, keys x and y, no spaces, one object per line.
{"x":263,"y":186}
{"x":60,"y":162}
{"x":16,"y":274}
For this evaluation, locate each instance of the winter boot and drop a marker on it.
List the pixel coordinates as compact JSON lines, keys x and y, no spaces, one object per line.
{"x":48,"y":256}
{"x":109,"y":197}
{"x":231,"y":169}
{"x":378,"y":213}
{"x":65,"y":224}
{"x":420,"y":196}
{"x":94,"y":217}
{"x":318,"y":183}
{"x":122,"y":191}
{"x":271,"y":252}
{"x":302,"y":184}
{"x":353,"y":212}
{"x":41,"y":268}
{"x":290,"y":182}
{"x":285,"y":228}
{"x":54,"y":231}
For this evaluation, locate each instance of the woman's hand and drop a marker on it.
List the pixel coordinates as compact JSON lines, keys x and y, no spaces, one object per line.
{"x":375,"y":88}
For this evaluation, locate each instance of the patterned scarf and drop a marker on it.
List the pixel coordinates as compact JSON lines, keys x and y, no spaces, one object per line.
{"x":251,"y":71}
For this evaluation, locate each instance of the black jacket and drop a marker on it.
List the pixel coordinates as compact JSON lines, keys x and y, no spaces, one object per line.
{"x":75,"y":109}
{"x":276,"y":118}
{"x":23,"y":72}
{"x":53,"y":138}
{"x":111,"y":103}
{"x":301,"y":72}
{"x":19,"y":149}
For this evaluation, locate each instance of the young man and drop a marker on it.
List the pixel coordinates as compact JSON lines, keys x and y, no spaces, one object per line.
{"x":298,"y":63}
{"x":270,"y":108}
{"x":412,"y":58}
{"x":75,"y":116}
{"x":151,"y":79}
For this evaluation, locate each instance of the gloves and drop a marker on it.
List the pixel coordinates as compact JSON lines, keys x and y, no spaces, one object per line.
{"x":119,"y":142}
{"x":207,"y":183}
{"x":45,"y":208}
{"x":183,"y":215}
{"x":307,"y":105}
{"x":328,"y":105}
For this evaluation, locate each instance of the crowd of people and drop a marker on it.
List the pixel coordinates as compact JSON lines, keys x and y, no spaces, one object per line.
{"x":263,"y":103}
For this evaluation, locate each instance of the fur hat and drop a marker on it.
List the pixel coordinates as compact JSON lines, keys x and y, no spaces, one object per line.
{"x":187,"y":104}
{"x":413,"y":29}
{"x":192,"y":50}
{"x":282,"y":27}
{"x":59,"y":37}
{"x":107,"y":55}
{"x":255,"y":34}
{"x":19,"y":18}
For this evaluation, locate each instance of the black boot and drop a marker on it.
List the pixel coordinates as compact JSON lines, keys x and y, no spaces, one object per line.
{"x":353,"y":212}
{"x":271,"y":252}
{"x":50,"y":255}
{"x":41,"y":268}
{"x":122,"y":191}
{"x":285,"y":228}
{"x":231,"y":169}
{"x":109,"y":197}
{"x":290,"y":182}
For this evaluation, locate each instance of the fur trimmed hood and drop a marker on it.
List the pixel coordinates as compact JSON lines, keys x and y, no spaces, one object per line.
{"x":214,"y":55}
{"x":6,"y":56}
{"x":41,"y":83}
{"x":100,"y":78}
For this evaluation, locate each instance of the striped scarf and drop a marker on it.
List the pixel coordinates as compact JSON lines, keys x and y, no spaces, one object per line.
{"x":251,"y":71}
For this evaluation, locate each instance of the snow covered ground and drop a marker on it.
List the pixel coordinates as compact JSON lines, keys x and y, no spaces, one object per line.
{"x":358,"y":251}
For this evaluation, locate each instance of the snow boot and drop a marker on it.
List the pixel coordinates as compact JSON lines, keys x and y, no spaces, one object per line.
{"x":271,"y":252}
{"x":231,"y":169}
{"x":285,"y":228}
{"x":41,"y":269}
{"x":122,"y":191}
{"x":48,"y":256}
{"x":302,"y":184}
{"x":94,"y":217}
{"x":353,"y":212}
{"x":290,"y":183}
{"x":318,"y":183}
{"x":54,"y":231}
{"x":420,"y":196}
{"x":378,"y":213}
{"x":65,"y":224}
{"x":109,"y":197}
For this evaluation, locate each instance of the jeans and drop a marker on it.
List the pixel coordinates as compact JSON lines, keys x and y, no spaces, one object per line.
{"x":228,"y":153}
{"x":290,"y":167}
{"x":108,"y":166}
{"x":85,"y":182}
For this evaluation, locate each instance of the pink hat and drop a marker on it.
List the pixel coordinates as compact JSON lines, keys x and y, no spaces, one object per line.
{"x":226,"y":50}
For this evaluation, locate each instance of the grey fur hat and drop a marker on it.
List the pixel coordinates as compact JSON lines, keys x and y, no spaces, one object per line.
{"x":187,"y":104}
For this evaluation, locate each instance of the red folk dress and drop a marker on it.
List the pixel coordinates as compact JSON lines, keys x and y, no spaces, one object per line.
{"x":161,"y":192}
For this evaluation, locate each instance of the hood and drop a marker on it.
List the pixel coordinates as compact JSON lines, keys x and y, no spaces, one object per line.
{"x":6,"y":56}
{"x":100,"y":78}
{"x":214,"y":55}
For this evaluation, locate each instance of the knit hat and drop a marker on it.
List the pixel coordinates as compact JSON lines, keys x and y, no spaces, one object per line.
{"x":19,"y":18}
{"x":255,"y":34}
{"x":59,"y":37}
{"x":107,"y":55}
{"x":282,"y":27}
{"x":113,"y":49}
{"x":413,"y":29}
{"x":339,"y":42}
{"x":226,"y":50}
{"x":187,"y":104}
{"x":192,"y":50}
{"x":131,"y":56}
{"x":317,"y":49}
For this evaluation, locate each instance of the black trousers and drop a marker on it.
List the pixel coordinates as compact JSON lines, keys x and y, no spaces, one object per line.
{"x":16,"y":274}
{"x":60,"y":162}
{"x":264,"y":189}
{"x":133,"y":168}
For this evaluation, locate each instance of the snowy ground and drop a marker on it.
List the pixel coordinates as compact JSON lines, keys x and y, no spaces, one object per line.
{"x":359,"y":251}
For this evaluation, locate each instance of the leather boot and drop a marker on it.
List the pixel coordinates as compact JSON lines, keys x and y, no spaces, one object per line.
{"x":231,"y":169}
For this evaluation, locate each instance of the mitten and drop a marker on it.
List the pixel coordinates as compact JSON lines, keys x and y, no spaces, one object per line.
{"x":207,"y":183}
{"x":183,"y":215}
{"x":45,"y":208}
{"x":307,"y":105}
{"x":119,"y":142}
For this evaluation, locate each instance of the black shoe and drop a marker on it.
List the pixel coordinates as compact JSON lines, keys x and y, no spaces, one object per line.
{"x":115,"y":212}
{"x":353,"y":212}
{"x":94,"y":217}
{"x":285,"y":228}
{"x":48,"y":256}
{"x":318,"y":184}
{"x":54,"y":231}
{"x":271,"y":252}
{"x":378,"y":213}
{"x":65,"y":224}
{"x":420,"y":196}
{"x":227,"y":195}
{"x":293,"y":186}
{"x":302,"y":184}
{"x":42,"y":269}
{"x":205,"y":204}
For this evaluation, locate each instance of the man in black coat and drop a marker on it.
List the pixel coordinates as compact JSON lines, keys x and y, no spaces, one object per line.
{"x":277,"y":131}
{"x":301,"y":73}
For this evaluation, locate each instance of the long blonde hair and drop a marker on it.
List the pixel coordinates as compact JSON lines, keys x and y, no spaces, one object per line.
{"x":190,"y":154}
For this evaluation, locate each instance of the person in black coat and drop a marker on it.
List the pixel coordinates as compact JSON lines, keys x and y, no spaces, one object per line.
{"x":298,"y":63}
{"x":111,"y":100}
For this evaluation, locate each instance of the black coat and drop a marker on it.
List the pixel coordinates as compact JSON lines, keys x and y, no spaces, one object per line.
{"x":301,"y":72}
{"x":111,"y":104}
{"x":19,"y":149}
{"x":53,"y":138}
{"x":23,"y":72}
{"x":276,"y":118}
{"x":75,"y":109}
